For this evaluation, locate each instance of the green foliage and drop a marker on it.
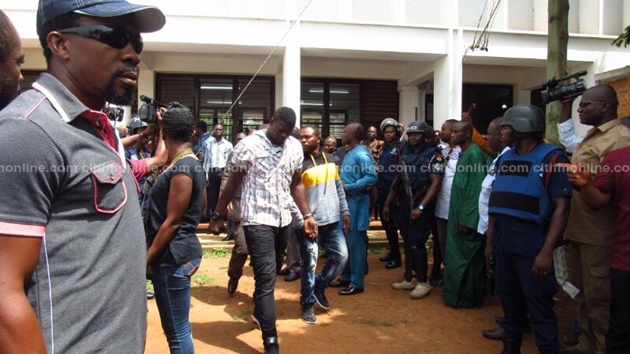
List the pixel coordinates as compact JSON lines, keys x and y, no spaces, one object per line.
{"x":243,"y":317}
{"x":623,"y":38}
{"x":364,"y":320}
{"x":202,"y":279}
{"x":378,"y":250}
{"x":216,"y":253}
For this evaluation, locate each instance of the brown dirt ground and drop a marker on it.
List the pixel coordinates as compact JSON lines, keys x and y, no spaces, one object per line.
{"x":381,"y":320}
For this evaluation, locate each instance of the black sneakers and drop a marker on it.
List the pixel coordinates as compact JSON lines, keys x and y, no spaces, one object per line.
{"x":308,"y":315}
{"x":321,"y":300}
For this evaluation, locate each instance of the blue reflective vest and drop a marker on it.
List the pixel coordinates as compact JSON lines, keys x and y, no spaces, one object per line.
{"x":519,"y":189}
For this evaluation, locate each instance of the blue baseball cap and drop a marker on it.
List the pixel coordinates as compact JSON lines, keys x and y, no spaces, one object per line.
{"x":147,"y":18}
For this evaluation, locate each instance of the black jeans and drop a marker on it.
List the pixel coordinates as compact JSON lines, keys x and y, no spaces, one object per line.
{"x":618,"y":336}
{"x":389,"y":226}
{"x":266,"y":246}
{"x":214,"y":187}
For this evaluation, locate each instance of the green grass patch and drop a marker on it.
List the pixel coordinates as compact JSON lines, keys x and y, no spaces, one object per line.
{"x":150,"y":286}
{"x":365,"y":321}
{"x":216,"y":253}
{"x":202,"y":279}
{"x":243,"y":317}
{"x":378,"y":250}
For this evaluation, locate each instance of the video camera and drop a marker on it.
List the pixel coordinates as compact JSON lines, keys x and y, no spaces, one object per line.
{"x":114,"y":113}
{"x":148,"y":110}
{"x":553,"y":91}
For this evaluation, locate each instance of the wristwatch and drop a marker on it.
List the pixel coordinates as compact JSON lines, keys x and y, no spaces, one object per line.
{"x":421,"y":207}
{"x":215,"y":216}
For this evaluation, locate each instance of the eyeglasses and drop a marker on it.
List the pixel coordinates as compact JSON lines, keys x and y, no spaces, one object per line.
{"x":584,"y":104}
{"x":112,"y":36}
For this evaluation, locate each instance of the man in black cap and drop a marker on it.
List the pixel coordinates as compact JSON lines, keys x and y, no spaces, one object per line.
{"x":72,"y":249}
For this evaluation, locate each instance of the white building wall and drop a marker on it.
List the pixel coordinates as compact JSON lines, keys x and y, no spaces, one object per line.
{"x":410,"y":41}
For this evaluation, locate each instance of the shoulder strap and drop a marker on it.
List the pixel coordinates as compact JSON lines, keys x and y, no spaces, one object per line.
{"x":399,"y":152}
{"x":554,"y":158}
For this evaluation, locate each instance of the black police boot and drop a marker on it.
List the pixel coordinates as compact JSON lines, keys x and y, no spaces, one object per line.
{"x":511,"y":346}
{"x":271,"y":345}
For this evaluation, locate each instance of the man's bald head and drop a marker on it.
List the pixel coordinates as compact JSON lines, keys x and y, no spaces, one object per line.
{"x":464,"y":126}
{"x":353,"y":132}
{"x":602,"y":92}
{"x":598,"y":105}
{"x":494,"y":135}
{"x":330,"y":144}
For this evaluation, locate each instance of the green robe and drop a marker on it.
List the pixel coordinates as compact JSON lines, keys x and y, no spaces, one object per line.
{"x":464,"y":262}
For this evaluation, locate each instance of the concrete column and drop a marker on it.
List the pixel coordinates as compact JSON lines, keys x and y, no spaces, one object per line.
{"x":541,"y":15}
{"x":408,"y":104}
{"x":291,"y":65}
{"x":146,"y":83}
{"x":291,"y":78}
{"x":447,"y":91}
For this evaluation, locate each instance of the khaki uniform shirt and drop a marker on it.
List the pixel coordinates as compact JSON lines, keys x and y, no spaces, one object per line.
{"x":585,"y":224}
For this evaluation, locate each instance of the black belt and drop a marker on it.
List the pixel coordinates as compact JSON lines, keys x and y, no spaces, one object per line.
{"x":217,"y":169}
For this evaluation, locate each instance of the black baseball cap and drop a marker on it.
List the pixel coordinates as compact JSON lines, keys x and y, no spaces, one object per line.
{"x":148,"y":18}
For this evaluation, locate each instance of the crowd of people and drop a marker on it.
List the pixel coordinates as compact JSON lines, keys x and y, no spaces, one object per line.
{"x":509,"y":203}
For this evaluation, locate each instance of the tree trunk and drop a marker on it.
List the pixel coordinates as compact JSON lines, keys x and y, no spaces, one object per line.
{"x":557,"y":41}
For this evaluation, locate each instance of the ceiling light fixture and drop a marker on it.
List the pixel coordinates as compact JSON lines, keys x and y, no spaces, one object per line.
{"x":217,"y":87}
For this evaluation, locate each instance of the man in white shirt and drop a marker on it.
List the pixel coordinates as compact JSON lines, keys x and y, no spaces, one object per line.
{"x":451,"y":155}
{"x":215,"y":150}
{"x":566,"y":129}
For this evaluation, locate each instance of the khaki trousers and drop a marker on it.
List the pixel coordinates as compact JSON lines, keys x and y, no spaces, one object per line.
{"x":589,"y":271}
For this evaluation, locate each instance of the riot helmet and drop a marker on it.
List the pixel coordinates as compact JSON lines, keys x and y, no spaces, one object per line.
{"x":525,"y":119}
{"x":420,"y":127}
{"x":390,"y":122}
{"x":136,"y":123}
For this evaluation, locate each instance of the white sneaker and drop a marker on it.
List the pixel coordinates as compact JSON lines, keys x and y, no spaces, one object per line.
{"x":421,"y":290}
{"x":405,"y":285}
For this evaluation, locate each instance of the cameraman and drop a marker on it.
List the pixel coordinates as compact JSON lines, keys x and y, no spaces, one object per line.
{"x":566,"y":129}
{"x":142,"y":134}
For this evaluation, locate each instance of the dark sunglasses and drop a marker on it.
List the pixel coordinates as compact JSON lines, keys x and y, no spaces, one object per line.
{"x":112,"y":36}
{"x":584,"y":104}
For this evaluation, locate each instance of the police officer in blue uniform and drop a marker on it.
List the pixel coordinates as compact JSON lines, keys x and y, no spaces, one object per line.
{"x":386,"y":174}
{"x":529,"y":209}
{"x":415,"y":188}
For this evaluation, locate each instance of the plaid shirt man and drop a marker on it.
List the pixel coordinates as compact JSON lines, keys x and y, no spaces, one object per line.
{"x":266,"y":196}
